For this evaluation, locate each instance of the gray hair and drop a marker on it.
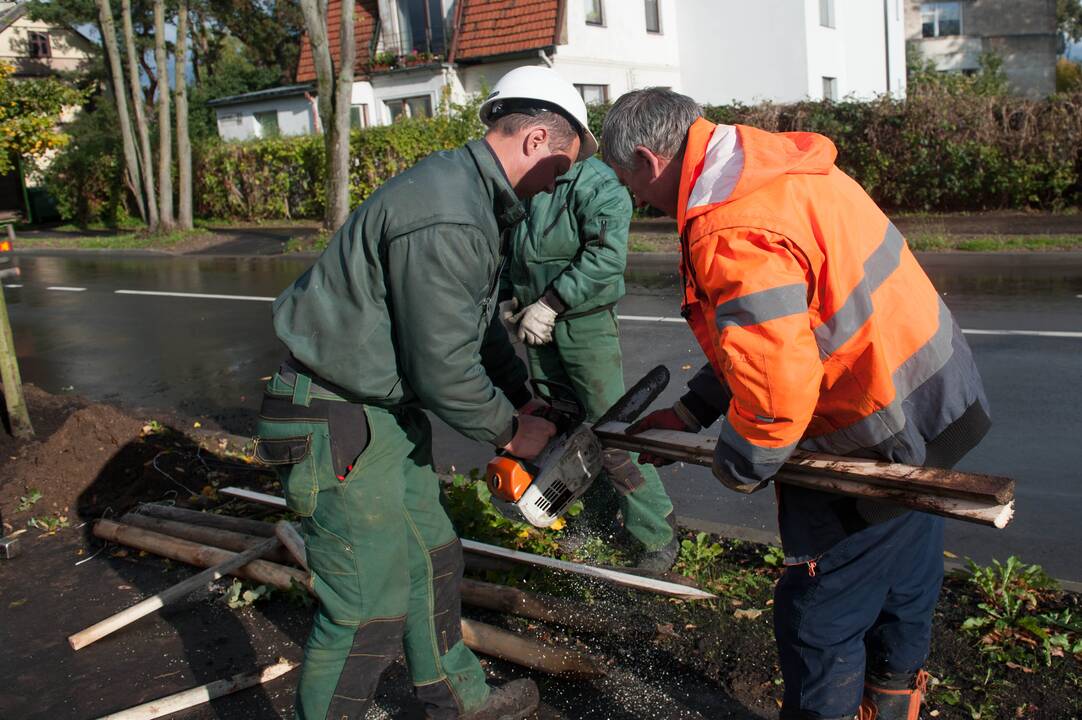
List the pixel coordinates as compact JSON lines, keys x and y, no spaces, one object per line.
{"x":656,"y":118}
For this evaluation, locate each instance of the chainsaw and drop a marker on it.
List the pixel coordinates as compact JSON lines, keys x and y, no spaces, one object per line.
{"x":539,"y":491}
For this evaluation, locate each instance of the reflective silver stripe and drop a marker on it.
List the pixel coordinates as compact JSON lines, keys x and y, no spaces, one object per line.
{"x":891,"y":420}
{"x":857,"y":308}
{"x":758,"y":307}
{"x":757,"y":456}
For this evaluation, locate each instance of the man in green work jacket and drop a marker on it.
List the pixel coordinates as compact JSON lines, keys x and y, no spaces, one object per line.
{"x":398,"y":316}
{"x":566,"y":274}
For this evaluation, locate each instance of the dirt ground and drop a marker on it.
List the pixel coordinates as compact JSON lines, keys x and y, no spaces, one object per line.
{"x":666,"y":659}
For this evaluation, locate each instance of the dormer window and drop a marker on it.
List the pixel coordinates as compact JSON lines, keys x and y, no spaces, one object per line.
{"x":38,"y":46}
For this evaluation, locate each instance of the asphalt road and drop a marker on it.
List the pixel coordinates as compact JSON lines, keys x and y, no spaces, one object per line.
{"x":200,"y":342}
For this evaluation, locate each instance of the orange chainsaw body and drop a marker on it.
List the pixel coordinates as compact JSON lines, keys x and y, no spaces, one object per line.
{"x":508,"y":478}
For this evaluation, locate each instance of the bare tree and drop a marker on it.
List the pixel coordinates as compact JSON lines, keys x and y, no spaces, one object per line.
{"x":335,"y":95}
{"x":184,"y":145}
{"x":108,"y":32}
{"x":165,"y":136}
{"x":136,"y":90}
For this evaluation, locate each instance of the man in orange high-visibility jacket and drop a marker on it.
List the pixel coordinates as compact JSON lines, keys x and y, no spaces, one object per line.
{"x":822,"y":332}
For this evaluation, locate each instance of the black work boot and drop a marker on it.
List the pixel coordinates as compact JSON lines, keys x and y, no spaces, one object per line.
{"x":893,"y":696}
{"x":660,"y":561}
{"x":515,"y":700}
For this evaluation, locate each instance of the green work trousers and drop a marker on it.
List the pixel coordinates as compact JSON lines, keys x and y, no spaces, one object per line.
{"x":585,"y":356}
{"x":384,"y":559}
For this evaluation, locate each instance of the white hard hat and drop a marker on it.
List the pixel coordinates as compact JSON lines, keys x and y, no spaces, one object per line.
{"x":543,"y":86}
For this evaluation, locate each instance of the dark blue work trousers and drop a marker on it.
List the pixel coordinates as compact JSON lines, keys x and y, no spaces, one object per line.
{"x":868,"y":606}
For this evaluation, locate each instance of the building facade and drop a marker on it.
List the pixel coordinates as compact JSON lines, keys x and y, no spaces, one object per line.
{"x":37,"y":49}
{"x":412,"y":55}
{"x":954,"y":34}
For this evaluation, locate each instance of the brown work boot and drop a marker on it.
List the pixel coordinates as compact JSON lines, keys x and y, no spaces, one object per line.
{"x":894,"y":698}
{"x":515,"y":700}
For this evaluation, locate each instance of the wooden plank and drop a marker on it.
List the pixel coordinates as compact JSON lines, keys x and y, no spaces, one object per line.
{"x":983,"y":499}
{"x":661,"y":587}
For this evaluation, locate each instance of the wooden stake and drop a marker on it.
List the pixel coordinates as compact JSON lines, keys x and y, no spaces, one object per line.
{"x":292,"y":541}
{"x":215,"y":537}
{"x":195,"y":517}
{"x":18,"y":415}
{"x":259,"y":571}
{"x":477,"y":636}
{"x":181,"y":590}
{"x":615,"y":577}
{"x":983,"y":499}
{"x":528,"y":653}
{"x":202,"y":694}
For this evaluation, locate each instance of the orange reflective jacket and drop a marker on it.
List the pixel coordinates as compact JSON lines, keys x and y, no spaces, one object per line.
{"x":811,"y":307}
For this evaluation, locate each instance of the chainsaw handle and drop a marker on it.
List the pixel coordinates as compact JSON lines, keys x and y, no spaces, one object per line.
{"x":572,"y":405}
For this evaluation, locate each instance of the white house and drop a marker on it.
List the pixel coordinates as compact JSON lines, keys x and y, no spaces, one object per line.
{"x":275,"y":112}
{"x":411,"y":54}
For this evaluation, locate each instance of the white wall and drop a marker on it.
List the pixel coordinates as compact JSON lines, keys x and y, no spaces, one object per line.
{"x":827,"y":49}
{"x":237,"y":122}
{"x":410,"y":83}
{"x":868,"y":29}
{"x":620,"y":54}
{"x":743,"y":51}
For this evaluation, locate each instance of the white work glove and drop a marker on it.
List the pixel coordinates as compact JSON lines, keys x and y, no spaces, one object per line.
{"x":536,"y":323}
{"x":506,"y":310}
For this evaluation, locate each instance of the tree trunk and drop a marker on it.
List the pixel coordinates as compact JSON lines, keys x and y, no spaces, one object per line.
{"x":108,"y":33}
{"x":18,"y":416}
{"x":136,"y":90}
{"x":165,"y":137}
{"x":184,"y":145}
{"x":335,"y":95}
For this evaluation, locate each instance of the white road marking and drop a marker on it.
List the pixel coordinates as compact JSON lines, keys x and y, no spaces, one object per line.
{"x":627,"y":318}
{"x":204,"y":296}
{"x":1031,"y":333}
{"x":647,"y":318}
{"x":65,"y":289}
{"x":13,"y":286}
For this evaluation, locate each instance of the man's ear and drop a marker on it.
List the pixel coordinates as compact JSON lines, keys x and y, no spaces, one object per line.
{"x":651,"y":162}
{"x":536,"y":139}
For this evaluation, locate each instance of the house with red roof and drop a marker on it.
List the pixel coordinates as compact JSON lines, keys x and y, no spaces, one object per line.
{"x":412,"y":54}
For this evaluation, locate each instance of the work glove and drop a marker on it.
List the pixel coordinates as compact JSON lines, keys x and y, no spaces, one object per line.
{"x":536,"y":323}
{"x":507,"y":312}
{"x":676,"y":417}
{"x":531,"y":436}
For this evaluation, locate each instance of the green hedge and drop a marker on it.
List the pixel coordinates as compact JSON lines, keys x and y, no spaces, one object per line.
{"x":284,"y":177}
{"x":940,"y":150}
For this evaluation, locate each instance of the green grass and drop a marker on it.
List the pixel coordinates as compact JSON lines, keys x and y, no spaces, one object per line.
{"x":121,"y":241}
{"x":992,"y":243}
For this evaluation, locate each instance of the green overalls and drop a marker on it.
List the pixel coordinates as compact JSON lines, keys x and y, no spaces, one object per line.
{"x":395,"y":316}
{"x":572,"y":251}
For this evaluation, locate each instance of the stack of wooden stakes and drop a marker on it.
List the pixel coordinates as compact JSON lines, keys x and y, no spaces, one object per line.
{"x":274,"y":555}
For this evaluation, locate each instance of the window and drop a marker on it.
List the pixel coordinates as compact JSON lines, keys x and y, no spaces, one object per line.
{"x":268,"y":123}
{"x":37,"y":44}
{"x":417,"y":106}
{"x":830,"y":88}
{"x":592,"y":94}
{"x":594,"y":13}
{"x":826,"y":13}
{"x":939,"y":19}
{"x":421,"y":26}
{"x":653,"y":16}
{"x":358,"y":116}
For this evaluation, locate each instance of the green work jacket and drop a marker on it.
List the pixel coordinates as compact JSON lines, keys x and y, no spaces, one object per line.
{"x":400,"y":307}
{"x":573,"y":247}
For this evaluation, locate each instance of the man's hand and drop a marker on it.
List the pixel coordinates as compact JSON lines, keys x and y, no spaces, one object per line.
{"x":531,"y":437}
{"x":509,"y":316}
{"x":666,"y":419}
{"x":532,"y":407}
{"x":536,"y":324}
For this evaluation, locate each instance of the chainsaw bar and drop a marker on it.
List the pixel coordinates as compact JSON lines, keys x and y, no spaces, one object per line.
{"x":637,"y":399}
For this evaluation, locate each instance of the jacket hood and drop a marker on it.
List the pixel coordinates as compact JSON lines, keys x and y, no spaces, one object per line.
{"x":724,"y":163}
